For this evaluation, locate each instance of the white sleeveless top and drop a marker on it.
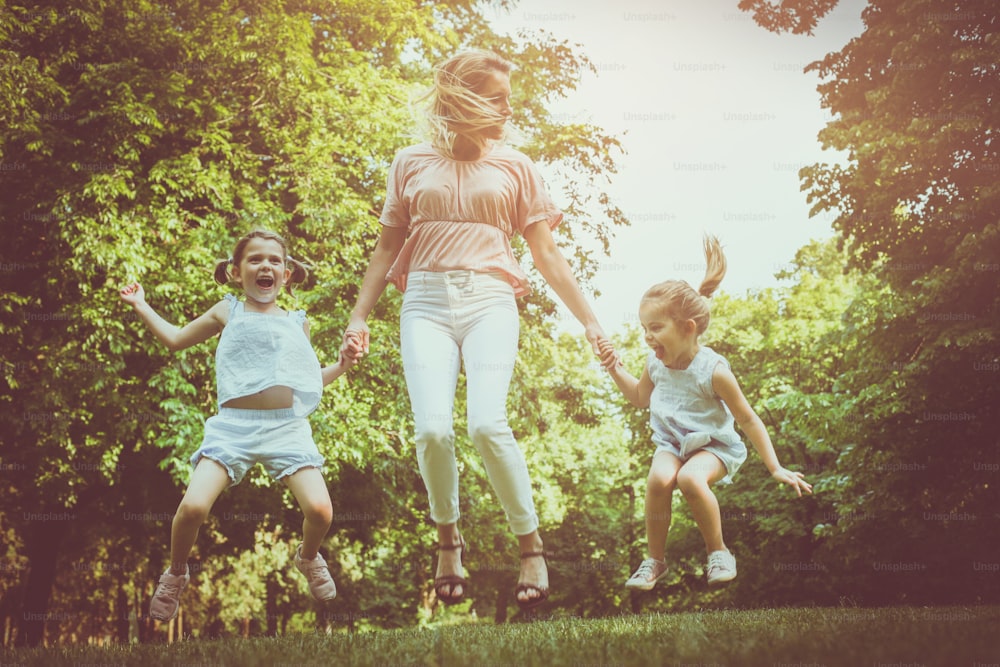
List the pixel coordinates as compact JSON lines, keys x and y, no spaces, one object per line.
{"x":684,"y":409}
{"x":258,"y":351}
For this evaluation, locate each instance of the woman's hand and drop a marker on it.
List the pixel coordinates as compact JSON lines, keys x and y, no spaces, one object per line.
{"x":354,"y":344}
{"x":603,"y":349}
{"x":609,"y":357}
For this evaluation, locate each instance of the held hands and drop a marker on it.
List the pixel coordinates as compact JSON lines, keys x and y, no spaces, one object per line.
{"x":352,"y":349}
{"x":602,"y":346}
{"x":794,"y":479}
{"x":610,"y":359}
{"x":357,"y":331}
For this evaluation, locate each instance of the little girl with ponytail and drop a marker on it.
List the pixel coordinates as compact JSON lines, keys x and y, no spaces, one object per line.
{"x":693,"y":400}
{"x":269,"y":380}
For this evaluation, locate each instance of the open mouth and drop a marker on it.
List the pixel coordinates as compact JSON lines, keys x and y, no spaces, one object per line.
{"x":265,"y":281}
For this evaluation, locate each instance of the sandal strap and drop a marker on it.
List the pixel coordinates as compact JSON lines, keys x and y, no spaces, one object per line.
{"x":531,"y":587}
{"x":452,"y":547}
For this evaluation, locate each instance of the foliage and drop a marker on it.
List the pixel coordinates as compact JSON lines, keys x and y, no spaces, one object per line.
{"x":797,"y":17}
{"x":913,"y":100}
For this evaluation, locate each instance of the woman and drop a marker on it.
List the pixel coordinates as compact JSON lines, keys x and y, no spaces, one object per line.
{"x":452,"y":205}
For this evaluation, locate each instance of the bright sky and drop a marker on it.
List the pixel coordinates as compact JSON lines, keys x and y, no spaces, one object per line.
{"x":716,"y":117}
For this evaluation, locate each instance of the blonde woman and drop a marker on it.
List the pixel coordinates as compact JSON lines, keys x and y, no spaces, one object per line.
{"x":452,"y":206}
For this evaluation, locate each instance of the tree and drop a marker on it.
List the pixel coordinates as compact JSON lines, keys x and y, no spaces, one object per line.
{"x":796,"y":16}
{"x":914,"y":105}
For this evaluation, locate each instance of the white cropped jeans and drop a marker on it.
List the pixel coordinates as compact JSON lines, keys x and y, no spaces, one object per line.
{"x":447,"y":318}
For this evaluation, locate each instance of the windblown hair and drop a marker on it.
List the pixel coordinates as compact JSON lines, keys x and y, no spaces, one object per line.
{"x":454,"y":104}
{"x":680,"y":301}
{"x":225,"y":268}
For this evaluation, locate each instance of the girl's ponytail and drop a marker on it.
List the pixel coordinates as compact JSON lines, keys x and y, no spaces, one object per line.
{"x":716,"y":266}
{"x":680,"y":301}
{"x":221,"y":273}
{"x":299,"y":272}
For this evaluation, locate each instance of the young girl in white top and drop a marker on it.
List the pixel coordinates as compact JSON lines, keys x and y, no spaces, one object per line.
{"x":693,"y":400}
{"x":269,"y":380}
{"x":452,"y":205}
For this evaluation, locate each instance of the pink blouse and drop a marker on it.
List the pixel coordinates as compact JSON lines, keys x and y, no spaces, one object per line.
{"x":462,"y":214}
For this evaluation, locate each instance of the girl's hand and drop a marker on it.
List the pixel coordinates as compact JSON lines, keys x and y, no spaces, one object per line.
{"x":354,"y":344}
{"x":794,"y":479}
{"x":609,"y":357}
{"x":595,"y":334}
{"x":346,"y":361}
{"x":133,"y":294}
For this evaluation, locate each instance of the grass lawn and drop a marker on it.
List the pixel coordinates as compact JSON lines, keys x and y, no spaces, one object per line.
{"x":856,"y":637}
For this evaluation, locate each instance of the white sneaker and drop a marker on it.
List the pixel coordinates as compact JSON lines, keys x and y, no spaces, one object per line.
{"x":721,"y":567}
{"x":317,"y":573}
{"x":167,"y":598}
{"x":649,"y":572}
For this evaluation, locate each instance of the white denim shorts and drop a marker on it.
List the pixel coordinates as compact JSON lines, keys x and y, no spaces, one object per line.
{"x":277,"y":439}
{"x":732,"y":456}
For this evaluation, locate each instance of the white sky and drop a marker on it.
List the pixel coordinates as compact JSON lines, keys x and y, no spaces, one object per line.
{"x":716,"y":117}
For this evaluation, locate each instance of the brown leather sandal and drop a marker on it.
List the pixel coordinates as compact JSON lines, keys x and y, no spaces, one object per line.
{"x":543,"y":593}
{"x":451,"y":580}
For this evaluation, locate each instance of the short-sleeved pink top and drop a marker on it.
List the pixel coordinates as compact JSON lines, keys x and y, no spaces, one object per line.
{"x":462,"y":214}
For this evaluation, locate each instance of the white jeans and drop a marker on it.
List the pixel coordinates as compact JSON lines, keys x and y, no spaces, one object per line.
{"x":447,"y":318}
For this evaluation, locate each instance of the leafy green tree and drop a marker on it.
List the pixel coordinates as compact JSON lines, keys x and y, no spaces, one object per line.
{"x":795,"y":17}
{"x":913,"y":100}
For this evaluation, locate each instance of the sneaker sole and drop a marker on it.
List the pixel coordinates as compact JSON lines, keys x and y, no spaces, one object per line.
{"x":163,"y":619}
{"x":640,"y":587}
{"x":720,"y":580}
{"x":648,"y":586}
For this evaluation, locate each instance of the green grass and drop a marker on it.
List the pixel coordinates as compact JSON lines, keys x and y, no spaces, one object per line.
{"x":897,"y":636}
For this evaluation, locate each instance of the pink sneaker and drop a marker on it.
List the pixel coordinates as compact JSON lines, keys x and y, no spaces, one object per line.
{"x":649,"y":572}
{"x":317,"y":573}
{"x":721,"y":567}
{"x":167,"y":598}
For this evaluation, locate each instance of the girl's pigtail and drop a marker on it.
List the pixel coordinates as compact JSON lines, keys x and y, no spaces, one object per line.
{"x":299,"y":273}
{"x":221,"y":274}
{"x":716,"y":268}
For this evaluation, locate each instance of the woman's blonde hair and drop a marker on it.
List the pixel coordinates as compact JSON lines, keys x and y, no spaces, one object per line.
{"x":680,"y":301}
{"x":454,"y":104}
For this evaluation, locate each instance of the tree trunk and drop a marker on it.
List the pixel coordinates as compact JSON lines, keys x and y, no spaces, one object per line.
{"x":122,"y":615}
{"x":44,"y":539}
{"x":500,"y":616}
{"x":634,"y":599}
{"x":271,"y":606}
{"x":145,"y":623}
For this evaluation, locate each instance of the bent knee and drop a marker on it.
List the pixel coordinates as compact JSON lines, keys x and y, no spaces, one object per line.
{"x":434,"y":435}
{"x":318,"y":511}
{"x":192,"y":512}
{"x":692,"y":483}
{"x":494,"y":435}
{"x":660,"y":483}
